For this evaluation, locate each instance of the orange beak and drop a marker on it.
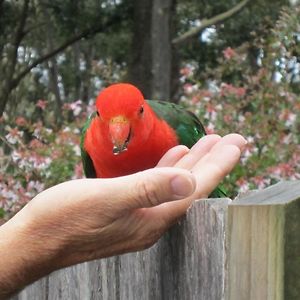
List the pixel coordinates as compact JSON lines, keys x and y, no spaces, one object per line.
{"x":120,"y":133}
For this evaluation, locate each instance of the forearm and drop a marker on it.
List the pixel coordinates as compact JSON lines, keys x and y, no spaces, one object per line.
{"x":24,"y":257}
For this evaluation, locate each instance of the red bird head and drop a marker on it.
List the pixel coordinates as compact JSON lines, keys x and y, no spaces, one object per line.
{"x":123,"y":115}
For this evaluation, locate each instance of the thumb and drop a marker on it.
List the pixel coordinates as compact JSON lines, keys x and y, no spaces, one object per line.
{"x":152,"y":187}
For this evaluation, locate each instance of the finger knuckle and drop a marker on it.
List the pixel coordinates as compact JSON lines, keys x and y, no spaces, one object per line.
{"x":148,"y":194}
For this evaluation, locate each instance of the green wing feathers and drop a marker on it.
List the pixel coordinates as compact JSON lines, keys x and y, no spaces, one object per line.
{"x":187,"y":126}
{"x":88,"y":166}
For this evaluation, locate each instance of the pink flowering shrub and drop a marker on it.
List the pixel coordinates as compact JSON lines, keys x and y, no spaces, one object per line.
{"x":267,"y":118}
{"x":36,"y":156}
{"x":261,"y":103}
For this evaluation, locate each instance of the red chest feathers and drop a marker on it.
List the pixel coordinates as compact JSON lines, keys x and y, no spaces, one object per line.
{"x":141,"y":153}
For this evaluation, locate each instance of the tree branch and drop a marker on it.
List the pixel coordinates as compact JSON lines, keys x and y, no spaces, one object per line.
{"x":34,"y":27}
{"x":20,"y":29}
{"x":1,"y":7}
{"x":18,"y":38}
{"x":84,"y":34}
{"x":209,"y":22}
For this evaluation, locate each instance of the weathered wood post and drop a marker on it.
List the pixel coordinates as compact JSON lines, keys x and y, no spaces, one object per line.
{"x":264,"y":244}
{"x":244,"y":249}
{"x":187,"y":263}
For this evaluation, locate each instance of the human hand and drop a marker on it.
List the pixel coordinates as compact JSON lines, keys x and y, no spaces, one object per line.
{"x":210,"y":160}
{"x":87,"y":219}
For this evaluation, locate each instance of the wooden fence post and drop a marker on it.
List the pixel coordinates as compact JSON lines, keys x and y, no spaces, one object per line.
{"x":244,"y":249}
{"x":264,"y":244}
{"x":187,"y":263}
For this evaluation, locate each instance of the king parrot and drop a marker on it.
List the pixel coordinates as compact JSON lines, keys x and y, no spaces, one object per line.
{"x":127,"y":133}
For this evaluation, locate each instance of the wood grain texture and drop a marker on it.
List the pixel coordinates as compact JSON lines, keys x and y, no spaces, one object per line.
{"x":264,"y":244}
{"x":187,"y":263}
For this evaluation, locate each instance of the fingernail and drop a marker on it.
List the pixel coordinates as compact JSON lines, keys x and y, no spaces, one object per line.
{"x":182,"y":186}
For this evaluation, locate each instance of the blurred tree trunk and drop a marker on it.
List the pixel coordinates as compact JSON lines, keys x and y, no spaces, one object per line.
{"x":162,"y":13}
{"x":88,"y":54}
{"x":151,"y":65}
{"x":8,"y":68}
{"x":76,"y":53}
{"x":141,"y":52}
{"x":53,"y":71}
{"x":54,"y":87}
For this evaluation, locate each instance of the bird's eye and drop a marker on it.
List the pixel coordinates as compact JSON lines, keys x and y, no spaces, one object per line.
{"x":98,"y":113}
{"x":141,"y":110}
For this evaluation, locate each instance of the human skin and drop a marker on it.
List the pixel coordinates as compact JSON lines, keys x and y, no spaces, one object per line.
{"x":86,"y":219}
